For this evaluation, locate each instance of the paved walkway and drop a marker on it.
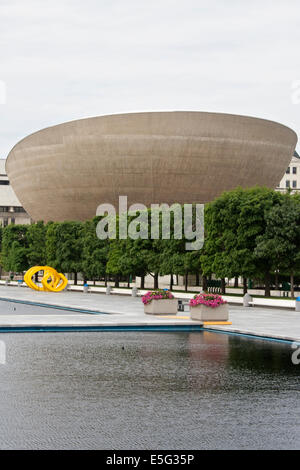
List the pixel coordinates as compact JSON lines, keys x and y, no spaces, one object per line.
{"x":105,"y":310}
{"x":266,"y":322}
{"x":238,"y":300}
{"x":125,"y":310}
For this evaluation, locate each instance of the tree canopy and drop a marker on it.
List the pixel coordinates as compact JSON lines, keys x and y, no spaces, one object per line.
{"x":252,"y":233}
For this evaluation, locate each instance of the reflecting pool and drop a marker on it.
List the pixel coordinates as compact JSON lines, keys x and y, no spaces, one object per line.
{"x":147,"y":391}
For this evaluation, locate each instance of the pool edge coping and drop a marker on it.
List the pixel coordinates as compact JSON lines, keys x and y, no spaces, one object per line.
{"x":123,"y":327}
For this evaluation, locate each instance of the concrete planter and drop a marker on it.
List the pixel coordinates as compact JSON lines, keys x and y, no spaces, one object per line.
{"x":204,"y":313}
{"x":162,"y":307}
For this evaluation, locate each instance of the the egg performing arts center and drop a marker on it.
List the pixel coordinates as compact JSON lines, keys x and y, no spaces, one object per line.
{"x":65,"y":171}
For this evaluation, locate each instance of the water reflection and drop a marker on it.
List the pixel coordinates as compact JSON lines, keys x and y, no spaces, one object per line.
{"x":208,"y":346}
{"x":147,"y":390}
{"x":261,"y":355}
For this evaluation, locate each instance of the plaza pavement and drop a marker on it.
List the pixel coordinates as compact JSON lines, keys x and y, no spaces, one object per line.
{"x":85,"y":310}
{"x":118,"y":310}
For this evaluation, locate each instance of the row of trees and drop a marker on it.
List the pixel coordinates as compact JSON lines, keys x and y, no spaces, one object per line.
{"x":73,"y":247}
{"x":253,"y":233}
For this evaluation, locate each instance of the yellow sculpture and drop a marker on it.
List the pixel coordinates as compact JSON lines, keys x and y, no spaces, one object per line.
{"x":51,"y":281}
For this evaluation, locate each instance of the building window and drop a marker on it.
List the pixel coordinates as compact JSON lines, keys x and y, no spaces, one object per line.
{"x":288,"y":171}
{"x":294,"y":184}
{"x":294,"y":170}
{"x":19,"y":209}
{"x":5,"y":222}
{"x":287,"y":184}
{"x":4,"y":209}
{"x":4,"y":182}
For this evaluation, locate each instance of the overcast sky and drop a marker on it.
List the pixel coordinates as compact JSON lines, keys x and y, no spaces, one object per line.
{"x":67,"y":59}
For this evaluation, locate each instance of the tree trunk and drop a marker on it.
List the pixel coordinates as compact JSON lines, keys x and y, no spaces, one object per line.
{"x":292,"y":284}
{"x":245,"y":287}
{"x":36,"y":277}
{"x":128,"y":282}
{"x":236,"y":281}
{"x":267,"y":285}
{"x":197,"y":279}
{"x":75,"y":279}
{"x":117,"y":281}
{"x":204,"y":283}
{"x":94,"y":282}
{"x":171,"y":281}
{"x":142,"y":282}
{"x":105,"y":280}
{"x":156,"y":281}
{"x":223,"y":285}
{"x":276,"y":281}
{"x":186,"y":281}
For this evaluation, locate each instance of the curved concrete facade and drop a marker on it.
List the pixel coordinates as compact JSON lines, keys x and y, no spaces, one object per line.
{"x":64,"y":172}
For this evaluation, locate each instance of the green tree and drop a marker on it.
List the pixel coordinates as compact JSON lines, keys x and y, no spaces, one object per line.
{"x":69,"y":247}
{"x":128,"y":257}
{"x":51,"y":243}
{"x":36,"y":235}
{"x":233,"y":222}
{"x":147,"y":255}
{"x":15,"y":248}
{"x":279,"y":246}
{"x":94,"y":251}
{"x":175,"y":258}
{"x":116,"y":264}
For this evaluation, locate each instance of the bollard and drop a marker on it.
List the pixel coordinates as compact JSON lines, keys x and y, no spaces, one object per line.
{"x":134,"y":292}
{"x":6,"y":282}
{"x":85,"y":288}
{"x":297,"y":304}
{"x":108,"y":290}
{"x":246,"y":299}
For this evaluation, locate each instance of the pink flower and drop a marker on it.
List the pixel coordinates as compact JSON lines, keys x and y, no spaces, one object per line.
{"x":156,"y":295}
{"x":210,"y":300}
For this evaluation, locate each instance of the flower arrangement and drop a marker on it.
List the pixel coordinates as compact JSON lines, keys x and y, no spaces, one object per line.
{"x":210,"y":300}
{"x":156,"y":295}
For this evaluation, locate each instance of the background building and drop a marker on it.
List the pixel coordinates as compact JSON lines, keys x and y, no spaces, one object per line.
{"x":11,"y":210}
{"x":66,"y":171}
{"x":291,"y":178}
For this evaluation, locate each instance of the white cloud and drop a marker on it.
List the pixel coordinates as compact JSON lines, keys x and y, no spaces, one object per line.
{"x":67,"y":59}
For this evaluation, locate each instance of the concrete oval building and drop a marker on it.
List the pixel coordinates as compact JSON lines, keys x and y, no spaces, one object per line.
{"x":64,"y":172}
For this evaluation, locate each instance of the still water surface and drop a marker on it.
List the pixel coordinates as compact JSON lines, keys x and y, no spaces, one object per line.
{"x":147,"y":391}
